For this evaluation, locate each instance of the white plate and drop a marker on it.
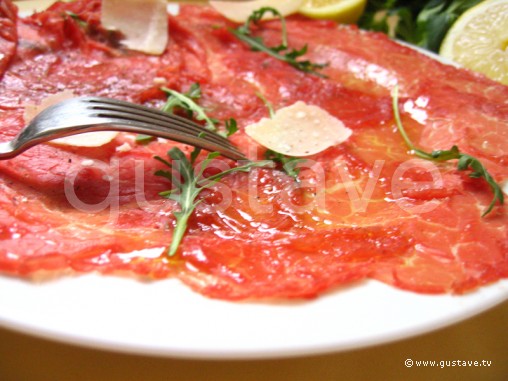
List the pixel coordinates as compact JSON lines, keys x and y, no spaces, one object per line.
{"x":165,"y":318}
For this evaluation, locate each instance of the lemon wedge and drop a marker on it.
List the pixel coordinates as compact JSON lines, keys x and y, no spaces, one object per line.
{"x":241,"y":10}
{"x":343,"y":11}
{"x":478,"y":40}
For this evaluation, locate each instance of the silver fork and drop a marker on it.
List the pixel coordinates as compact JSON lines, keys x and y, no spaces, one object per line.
{"x":88,"y":114}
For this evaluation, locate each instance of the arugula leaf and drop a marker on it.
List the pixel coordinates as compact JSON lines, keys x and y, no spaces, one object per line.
{"x":186,"y":101}
{"x":173,"y":102}
{"x":186,"y":190}
{"x":465,"y":161}
{"x":189,"y":182}
{"x":289,"y":163}
{"x":422,"y":23}
{"x":280,"y":52}
{"x":231,"y":127}
{"x":82,"y":23}
{"x":267,"y":104}
{"x":144,"y":139}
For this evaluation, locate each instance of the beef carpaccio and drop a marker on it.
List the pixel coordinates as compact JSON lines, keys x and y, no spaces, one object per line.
{"x":363,"y":209}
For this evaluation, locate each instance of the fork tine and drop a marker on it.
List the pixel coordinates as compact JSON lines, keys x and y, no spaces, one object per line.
{"x":173,"y":126}
{"x":132,"y":111}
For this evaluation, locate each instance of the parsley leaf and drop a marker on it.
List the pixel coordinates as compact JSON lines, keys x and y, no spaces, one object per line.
{"x":465,"y":161}
{"x":188,"y":183}
{"x":422,"y":23}
{"x":280,"y":52}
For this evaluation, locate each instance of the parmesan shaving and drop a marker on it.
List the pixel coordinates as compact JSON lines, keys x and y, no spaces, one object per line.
{"x":125,"y":147}
{"x":144,"y":23}
{"x":88,"y":139}
{"x":299,"y":130}
{"x":32,"y":110}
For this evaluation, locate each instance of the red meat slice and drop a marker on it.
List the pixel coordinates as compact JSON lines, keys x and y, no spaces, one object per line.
{"x":8,"y":34}
{"x":374,"y":213}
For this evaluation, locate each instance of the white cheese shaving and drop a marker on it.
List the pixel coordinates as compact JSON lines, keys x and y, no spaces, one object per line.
{"x":299,"y":130}
{"x":160,"y":81}
{"x":32,"y":110}
{"x":89,"y":139}
{"x":125,"y":147}
{"x":143,"y":23}
{"x":87,"y":163}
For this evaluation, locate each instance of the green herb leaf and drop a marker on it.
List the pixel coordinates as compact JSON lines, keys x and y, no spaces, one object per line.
{"x":289,"y":163}
{"x":187,"y":189}
{"x":188,"y":182}
{"x":423,"y":23}
{"x":144,"y":139}
{"x":186,"y":102}
{"x":173,"y":102}
{"x":82,"y":23}
{"x":465,"y":161}
{"x":267,"y":104}
{"x":231,"y":127}
{"x":280,"y":52}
